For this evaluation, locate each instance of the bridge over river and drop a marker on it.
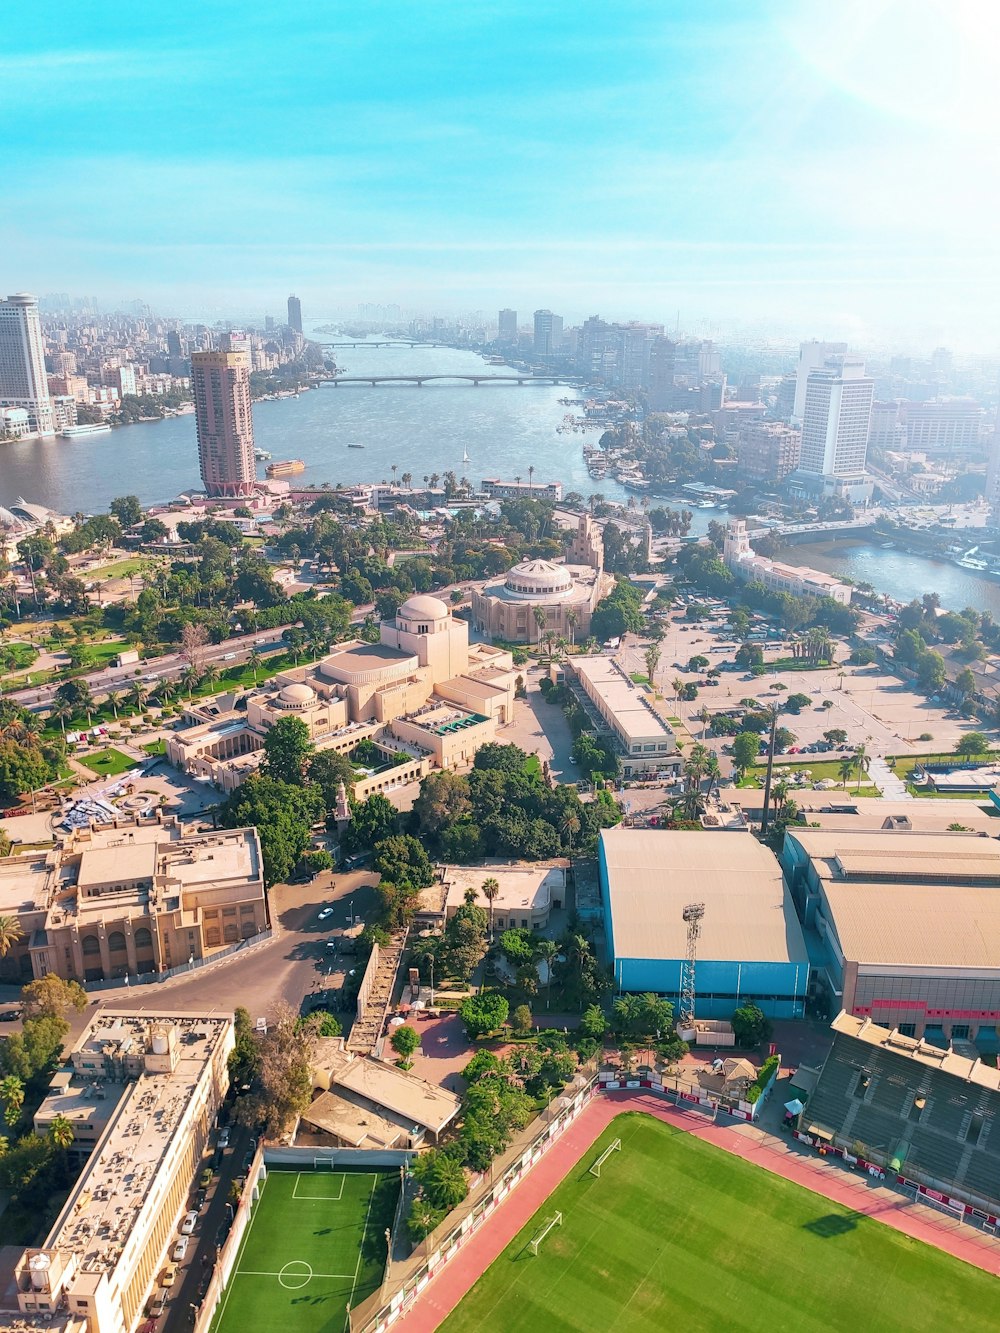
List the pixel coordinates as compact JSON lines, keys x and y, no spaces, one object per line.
{"x":475,"y":380}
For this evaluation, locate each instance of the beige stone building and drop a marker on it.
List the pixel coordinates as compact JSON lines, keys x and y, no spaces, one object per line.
{"x":130,"y":899}
{"x":422,"y":694}
{"x":566,"y":594}
{"x":149,"y":1087}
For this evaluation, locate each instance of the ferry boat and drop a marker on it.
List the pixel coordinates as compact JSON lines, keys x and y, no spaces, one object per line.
{"x":261,"y":455}
{"x":81,"y":432}
{"x":286,"y":468}
{"x":355,"y":446}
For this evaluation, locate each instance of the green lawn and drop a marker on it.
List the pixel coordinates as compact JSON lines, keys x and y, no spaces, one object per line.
{"x":819,"y":769}
{"x":315,"y":1243}
{"x":121,"y":569}
{"x":109,"y":762}
{"x":678,"y":1234}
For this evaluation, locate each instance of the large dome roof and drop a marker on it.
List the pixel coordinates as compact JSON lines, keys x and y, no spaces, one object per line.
{"x":296,"y":695}
{"x":538,"y":578}
{"x":423,"y":607}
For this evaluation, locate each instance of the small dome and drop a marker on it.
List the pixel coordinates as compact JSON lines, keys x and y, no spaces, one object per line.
{"x":538,"y":578}
{"x":423,"y":607}
{"x":296,"y":696}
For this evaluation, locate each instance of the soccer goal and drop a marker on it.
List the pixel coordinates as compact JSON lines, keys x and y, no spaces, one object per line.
{"x":540,"y":1235}
{"x":320,"y":1162}
{"x":616,"y":1146}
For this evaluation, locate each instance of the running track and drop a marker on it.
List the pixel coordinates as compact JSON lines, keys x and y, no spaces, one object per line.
{"x":451,"y":1283}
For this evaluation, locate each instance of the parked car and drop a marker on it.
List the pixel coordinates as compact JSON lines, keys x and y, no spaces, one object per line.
{"x":327,"y":911}
{"x":169,"y":1276}
{"x":189,"y":1223}
{"x":180,"y":1250}
{"x":206,"y":1178}
{"x":224,"y":1138}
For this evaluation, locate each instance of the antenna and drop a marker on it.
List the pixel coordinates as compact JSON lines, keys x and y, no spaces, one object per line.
{"x":692,"y":915}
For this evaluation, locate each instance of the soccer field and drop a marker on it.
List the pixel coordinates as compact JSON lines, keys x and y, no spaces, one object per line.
{"x":315,"y":1243}
{"x":677,"y":1233}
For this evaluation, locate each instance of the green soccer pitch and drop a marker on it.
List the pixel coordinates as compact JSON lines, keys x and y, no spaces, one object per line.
{"x":675,"y":1233}
{"x":314,"y":1245}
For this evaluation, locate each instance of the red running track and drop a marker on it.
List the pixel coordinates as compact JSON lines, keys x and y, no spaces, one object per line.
{"x":456,"y":1278}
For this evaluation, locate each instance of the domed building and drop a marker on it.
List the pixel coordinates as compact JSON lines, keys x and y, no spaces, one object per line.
{"x":541,"y":596}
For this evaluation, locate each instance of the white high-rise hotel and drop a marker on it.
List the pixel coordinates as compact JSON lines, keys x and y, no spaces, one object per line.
{"x":835,"y":419}
{"x":22,"y":362}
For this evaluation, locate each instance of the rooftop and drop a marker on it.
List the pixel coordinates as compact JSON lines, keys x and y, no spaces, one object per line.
{"x":653,"y":875}
{"x":522,"y":885}
{"x":920,"y":1052}
{"x":623,"y":698}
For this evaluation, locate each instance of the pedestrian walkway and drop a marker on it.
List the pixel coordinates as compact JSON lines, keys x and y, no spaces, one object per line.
{"x":891,"y":787}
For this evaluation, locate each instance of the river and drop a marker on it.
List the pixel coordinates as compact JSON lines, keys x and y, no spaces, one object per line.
{"x":503,"y":428}
{"x":898,"y":574}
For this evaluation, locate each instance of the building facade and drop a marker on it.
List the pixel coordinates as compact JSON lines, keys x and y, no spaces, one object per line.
{"x":131,"y":899}
{"x":153,"y":1083}
{"x":768,"y":451}
{"x":836,"y":419}
{"x":620,"y":711}
{"x":548,"y":333}
{"x":942,"y":423}
{"x":220,"y":382}
{"x":295,"y":313}
{"x":507,"y":327}
{"x":798,"y":580}
{"x":23,"y":381}
{"x":812,"y":355}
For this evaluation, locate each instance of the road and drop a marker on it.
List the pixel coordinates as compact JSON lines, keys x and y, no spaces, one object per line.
{"x":232,"y":652}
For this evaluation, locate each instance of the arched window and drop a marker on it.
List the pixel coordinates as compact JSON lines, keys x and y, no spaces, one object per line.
{"x":116,"y":942}
{"x":91,"y":944}
{"x":143,"y":939}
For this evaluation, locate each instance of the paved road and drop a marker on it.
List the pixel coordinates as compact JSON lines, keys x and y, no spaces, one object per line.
{"x":232,"y":652}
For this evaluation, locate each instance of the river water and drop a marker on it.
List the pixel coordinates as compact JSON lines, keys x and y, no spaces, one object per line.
{"x":503,"y":428}
{"x":899,"y":574}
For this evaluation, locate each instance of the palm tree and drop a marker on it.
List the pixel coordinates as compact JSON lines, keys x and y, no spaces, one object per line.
{"x":210,"y":675}
{"x":546,"y":951}
{"x":189,"y":680}
{"x":10,"y":932}
{"x":538,"y":614}
{"x":255,"y":661}
{"x":393,"y":469}
{"x":111,"y":698}
{"x":569,"y":826}
{"x":845,"y":770}
{"x":779,"y":795}
{"x":138,"y":694}
{"x":166,"y":690}
{"x":12,"y":1095}
{"x":712,"y":771}
{"x":491,"y":890}
{"x":531,"y":473}
{"x":652,"y":657}
{"x":61,"y":1132}
{"x":62,"y":710}
{"x":861,"y":758}
{"x":572,"y":619}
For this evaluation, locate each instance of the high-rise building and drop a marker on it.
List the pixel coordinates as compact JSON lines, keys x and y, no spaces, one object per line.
{"x":173,"y":343}
{"x":295,"y":313}
{"x":548,"y":333}
{"x":767,"y":451}
{"x":661,"y":375}
{"x":836,"y":418}
{"x":507,"y":326}
{"x":812,"y":355}
{"x":942,"y":423}
{"x":220,"y":382}
{"x":23,"y":381}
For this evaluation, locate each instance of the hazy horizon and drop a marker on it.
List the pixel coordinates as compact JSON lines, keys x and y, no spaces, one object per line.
{"x":788,"y":167}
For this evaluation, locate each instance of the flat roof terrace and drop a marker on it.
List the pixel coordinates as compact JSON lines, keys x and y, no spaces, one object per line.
{"x":633,"y":716}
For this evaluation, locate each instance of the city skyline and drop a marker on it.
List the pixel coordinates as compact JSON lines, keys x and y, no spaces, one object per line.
{"x":767,"y":169}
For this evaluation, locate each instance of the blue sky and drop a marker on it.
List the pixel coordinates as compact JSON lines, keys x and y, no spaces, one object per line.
{"x":810,"y":167}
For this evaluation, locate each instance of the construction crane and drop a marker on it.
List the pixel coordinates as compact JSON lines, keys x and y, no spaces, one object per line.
{"x":692,"y":915}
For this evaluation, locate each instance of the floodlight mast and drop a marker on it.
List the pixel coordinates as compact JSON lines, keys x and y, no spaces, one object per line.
{"x":692,"y":915}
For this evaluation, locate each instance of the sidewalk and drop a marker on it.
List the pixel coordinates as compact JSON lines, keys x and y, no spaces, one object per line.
{"x":891,"y":787}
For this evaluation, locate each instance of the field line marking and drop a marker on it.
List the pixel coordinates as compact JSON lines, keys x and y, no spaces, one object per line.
{"x":243,"y":1244}
{"x":317,"y":1198}
{"x":253,"y":1272}
{"x":361,"y":1248}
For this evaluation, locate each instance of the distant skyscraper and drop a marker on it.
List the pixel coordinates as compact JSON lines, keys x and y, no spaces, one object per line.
{"x":295,"y":314}
{"x":812,"y":355}
{"x":548,"y":333}
{"x":507,"y":326}
{"x":661,"y":375}
{"x":836,"y":418}
{"x":174,"y":343}
{"x":23,"y":382}
{"x":268,"y":323}
{"x":220,"y":382}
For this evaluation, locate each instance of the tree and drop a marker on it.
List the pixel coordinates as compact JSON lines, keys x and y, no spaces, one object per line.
{"x":404,"y":1041}
{"x":594,"y":1023}
{"x":441,"y":1179}
{"x":652,"y":660}
{"x":127,"y":510}
{"x":371,"y":822}
{"x":51,"y":997}
{"x":746,"y":747}
{"x":796,"y":702}
{"x":12,"y":1095}
{"x":194,"y":637}
{"x":546,"y":951}
{"x":244,"y":1058}
{"x":749,"y":655}
{"x":10,"y":932}
{"x":490,"y":891}
{"x":327,"y":770}
{"x":520,"y":1019}
{"x":835,"y":736}
{"x":61,"y":1133}
{"x":283,"y":816}
{"x":972,"y":743}
{"x":282,"y":1089}
{"x":750,"y":1025}
{"x":423,"y":1219}
{"x":442,"y":801}
{"x":287,"y":746}
{"x":484,"y":1013}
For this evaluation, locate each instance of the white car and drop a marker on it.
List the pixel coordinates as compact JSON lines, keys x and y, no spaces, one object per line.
{"x":189,"y":1223}
{"x":180,"y":1250}
{"x":327,"y":911}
